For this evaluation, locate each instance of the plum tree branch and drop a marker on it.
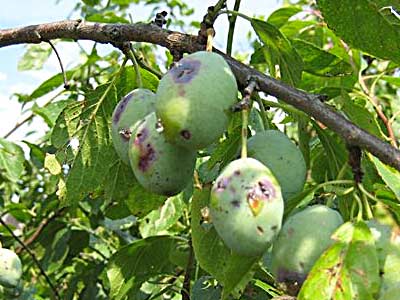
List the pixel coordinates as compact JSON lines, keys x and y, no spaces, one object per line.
{"x":176,"y":41}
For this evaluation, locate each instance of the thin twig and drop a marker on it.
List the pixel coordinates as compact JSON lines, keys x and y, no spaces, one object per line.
{"x":35,"y":260}
{"x":66,"y":84}
{"x":30,"y":117}
{"x":232,"y":23}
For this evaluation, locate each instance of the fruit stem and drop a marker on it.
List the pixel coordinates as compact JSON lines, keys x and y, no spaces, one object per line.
{"x":210,"y":38}
{"x":360,"y":206}
{"x":364,"y":198}
{"x":263,"y":111}
{"x":245,"y":123}
{"x":132,"y":57}
{"x":232,"y":23}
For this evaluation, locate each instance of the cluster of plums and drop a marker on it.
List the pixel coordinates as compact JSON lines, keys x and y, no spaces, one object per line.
{"x":159,"y":135}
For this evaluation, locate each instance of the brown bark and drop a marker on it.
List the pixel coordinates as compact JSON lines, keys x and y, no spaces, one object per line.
{"x":176,"y":41}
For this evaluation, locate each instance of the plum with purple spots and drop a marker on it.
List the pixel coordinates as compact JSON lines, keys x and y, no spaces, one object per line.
{"x":133,"y":107}
{"x":195,"y":99}
{"x":159,"y":166}
{"x":246,"y":206}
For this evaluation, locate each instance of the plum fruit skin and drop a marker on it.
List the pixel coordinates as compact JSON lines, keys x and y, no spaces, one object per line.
{"x":275,"y":150}
{"x":246,"y":207}
{"x":387,"y":243}
{"x":301,"y":241}
{"x":194,"y":100}
{"x":160,"y":167}
{"x":132,"y":108}
{"x":10,"y":268}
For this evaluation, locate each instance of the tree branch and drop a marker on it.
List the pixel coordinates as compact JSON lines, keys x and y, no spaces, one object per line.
{"x":117,"y":33}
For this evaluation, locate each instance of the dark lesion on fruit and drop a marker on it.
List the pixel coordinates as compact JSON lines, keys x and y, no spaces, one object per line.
{"x":222,"y":184}
{"x":186,"y":134}
{"x":267,"y":189}
{"x":260,"y":230}
{"x":125,"y":133}
{"x":185,"y":71}
{"x":121,"y":107}
{"x":235,"y":203}
{"x":290,"y":281}
{"x":146,"y":158}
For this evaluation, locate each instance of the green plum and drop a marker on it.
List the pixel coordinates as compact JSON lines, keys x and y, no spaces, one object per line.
{"x":132,"y":108}
{"x":159,"y":166}
{"x":10,"y":268}
{"x":195,"y":99}
{"x":246,"y":206}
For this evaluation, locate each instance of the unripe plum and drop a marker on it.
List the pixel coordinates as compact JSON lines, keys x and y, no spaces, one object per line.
{"x":275,"y":150}
{"x":195,"y":99}
{"x":246,"y":206}
{"x":303,"y":238}
{"x":132,"y":108}
{"x":10,"y":268}
{"x":159,"y":166}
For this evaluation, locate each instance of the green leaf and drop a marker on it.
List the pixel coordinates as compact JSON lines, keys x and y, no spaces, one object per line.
{"x":50,"y":84}
{"x":140,"y":201}
{"x":91,"y":2}
{"x":348,"y":270}
{"x":158,"y":222}
{"x":143,"y":259}
{"x":232,"y":271}
{"x":51,"y":163}
{"x":50,"y":112}
{"x":320,"y":62}
{"x":360,"y":115}
{"x":205,"y":288}
{"x":11,"y":160}
{"x":389,"y":175}
{"x":392,"y":80}
{"x":34,"y":57}
{"x":278,"y":51}
{"x":362,"y":25}
{"x":87,"y":122}
{"x":280,"y":16}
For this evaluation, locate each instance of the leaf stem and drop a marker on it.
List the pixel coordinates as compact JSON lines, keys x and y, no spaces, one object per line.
{"x":232,"y":23}
{"x":132,"y":57}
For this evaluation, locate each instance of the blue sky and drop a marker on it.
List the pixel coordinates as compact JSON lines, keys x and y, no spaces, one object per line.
{"x":26,"y":12}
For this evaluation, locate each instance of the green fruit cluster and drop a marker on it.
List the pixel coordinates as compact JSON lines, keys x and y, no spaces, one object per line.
{"x":10,"y":268}
{"x":158,"y":135}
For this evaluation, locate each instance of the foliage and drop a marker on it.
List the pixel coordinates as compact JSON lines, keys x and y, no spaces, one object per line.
{"x":97,"y":234}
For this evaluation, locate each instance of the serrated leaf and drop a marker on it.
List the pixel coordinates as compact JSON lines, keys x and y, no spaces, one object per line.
{"x":11,"y":160}
{"x":319,"y":62}
{"x":362,"y":25}
{"x":50,"y":112}
{"x":140,"y":201}
{"x":278,"y":51}
{"x":281,"y":16}
{"x":389,"y":175}
{"x":348,"y":270}
{"x":232,"y":271}
{"x":50,"y":85}
{"x":87,"y":123}
{"x":34,"y":57}
{"x":133,"y":264}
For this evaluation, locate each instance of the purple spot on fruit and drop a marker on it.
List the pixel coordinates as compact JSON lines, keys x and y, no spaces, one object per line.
{"x":146,"y":158}
{"x":185,"y":71}
{"x":236,"y":173}
{"x":125,"y":133}
{"x":141,"y":136}
{"x":186,"y":134}
{"x":222,"y":184}
{"x":267,"y":189}
{"x":121,"y":107}
{"x":274,"y":228}
{"x":235,"y":203}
